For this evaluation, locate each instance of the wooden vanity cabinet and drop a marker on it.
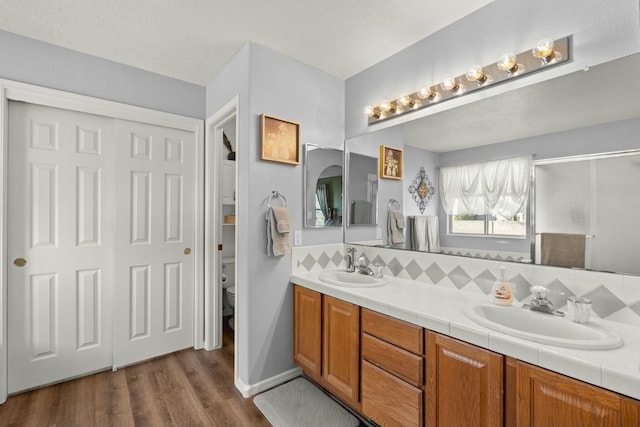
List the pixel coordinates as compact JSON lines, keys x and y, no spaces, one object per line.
{"x":397,"y":373}
{"x":392,"y":370}
{"x":545,"y":398}
{"x":341,"y":349}
{"x":307,"y":334}
{"x":464,"y":384}
{"x":326,"y":342}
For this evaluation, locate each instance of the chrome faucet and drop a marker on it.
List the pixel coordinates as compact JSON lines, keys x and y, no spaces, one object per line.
{"x":362,"y":266}
{"x":539,"y":302}
{"x":350,"y":258}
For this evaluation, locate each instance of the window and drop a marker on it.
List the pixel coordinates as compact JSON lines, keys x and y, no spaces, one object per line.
{"x":320,"y":219}
{"x":492,"y":224}
{"x":487,"y":199}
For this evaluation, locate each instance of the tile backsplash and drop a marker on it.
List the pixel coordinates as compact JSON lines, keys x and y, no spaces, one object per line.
{"x":615,"y":296}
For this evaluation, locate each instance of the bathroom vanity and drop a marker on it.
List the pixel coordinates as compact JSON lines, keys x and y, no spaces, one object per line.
{"x":405,"y":354}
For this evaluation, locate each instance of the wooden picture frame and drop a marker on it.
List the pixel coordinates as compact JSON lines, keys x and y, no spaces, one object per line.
{"x":390,"y":162}
{"x":280,"y":140}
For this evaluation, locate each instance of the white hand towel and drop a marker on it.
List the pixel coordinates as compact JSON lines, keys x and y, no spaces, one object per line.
{"x":433,"y":234}
{"x":419,"y":234}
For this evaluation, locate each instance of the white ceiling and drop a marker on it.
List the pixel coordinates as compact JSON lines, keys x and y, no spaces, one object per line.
{"x":193,"y":40}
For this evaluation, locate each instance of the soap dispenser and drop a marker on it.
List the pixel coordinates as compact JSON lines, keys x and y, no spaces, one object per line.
{"x":501,"y":293}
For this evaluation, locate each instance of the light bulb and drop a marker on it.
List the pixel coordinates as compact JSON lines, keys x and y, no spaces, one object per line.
{"x":476,"y":74}
{"x":385,"y":105}
{"x":450,"y":85}
{"x":543,"y":49}
{"x":368,"y":110}
{"x":426,"y":92}
{"x":404,"y":100}
{"x":507,"y":62}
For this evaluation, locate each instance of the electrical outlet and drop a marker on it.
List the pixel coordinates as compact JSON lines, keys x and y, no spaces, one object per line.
{"x":297,"y":238}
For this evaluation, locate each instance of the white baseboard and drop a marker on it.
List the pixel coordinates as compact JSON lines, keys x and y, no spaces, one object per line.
{"x":250,"y":390}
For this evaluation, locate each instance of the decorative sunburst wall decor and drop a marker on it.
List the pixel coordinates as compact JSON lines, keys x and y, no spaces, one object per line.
{"x":422,"y":189}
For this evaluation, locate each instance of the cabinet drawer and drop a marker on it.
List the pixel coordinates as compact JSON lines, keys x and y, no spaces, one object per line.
{"x":400,"y":362}
{"x":388,"y":400}
{"x":392,"y":330}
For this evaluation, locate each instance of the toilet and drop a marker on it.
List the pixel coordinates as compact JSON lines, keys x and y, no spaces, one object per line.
{"x":230,"y":296}
{"x":228,"y":285}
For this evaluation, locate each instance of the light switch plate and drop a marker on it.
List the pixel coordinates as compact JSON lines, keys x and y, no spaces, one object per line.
{"x":297,"y":238}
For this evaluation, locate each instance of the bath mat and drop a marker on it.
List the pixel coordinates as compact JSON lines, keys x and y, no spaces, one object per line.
{"x":300,"y":403}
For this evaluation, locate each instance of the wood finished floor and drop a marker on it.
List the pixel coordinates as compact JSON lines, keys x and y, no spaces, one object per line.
{"x":186,"y":388}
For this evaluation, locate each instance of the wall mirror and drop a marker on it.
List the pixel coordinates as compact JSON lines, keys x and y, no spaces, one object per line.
{"x":322,"y":186}
{"x":573,"y":115}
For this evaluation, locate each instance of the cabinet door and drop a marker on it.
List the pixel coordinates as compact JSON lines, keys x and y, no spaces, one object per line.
{"x":307,"y":330}
{"x":464,"y":384}
{"x":549,"y":399}
{"x":340,"y":350}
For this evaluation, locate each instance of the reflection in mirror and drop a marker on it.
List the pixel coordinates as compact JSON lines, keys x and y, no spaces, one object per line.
{"x":573,"y":115}
{"x":362,"y":179}
{"x":322,"y":186}
{"x":590,"y":221}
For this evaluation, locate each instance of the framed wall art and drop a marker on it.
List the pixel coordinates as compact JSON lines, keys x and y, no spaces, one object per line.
{"x":280,"y":140}
{"x":390,"y":162}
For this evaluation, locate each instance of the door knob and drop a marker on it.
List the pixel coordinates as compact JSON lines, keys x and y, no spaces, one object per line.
{"x":20,"y":262}
{"x":187,"y":251}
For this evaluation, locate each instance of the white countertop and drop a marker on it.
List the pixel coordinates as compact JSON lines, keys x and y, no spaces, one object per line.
{"x":442,"y":309}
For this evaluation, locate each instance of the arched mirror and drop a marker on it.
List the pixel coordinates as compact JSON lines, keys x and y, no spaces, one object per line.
{"x":322,"y":186}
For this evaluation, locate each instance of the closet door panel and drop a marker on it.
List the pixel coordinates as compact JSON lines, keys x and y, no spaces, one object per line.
{"x":60,"y":244}
{"x":155,"y":183}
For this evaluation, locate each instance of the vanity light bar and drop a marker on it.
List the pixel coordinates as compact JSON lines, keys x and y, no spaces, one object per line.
{"x":546,"y":53}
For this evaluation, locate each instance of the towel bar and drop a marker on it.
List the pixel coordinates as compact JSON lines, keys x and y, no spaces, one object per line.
{"x":275,"y":194}
{"x":586,"y":235}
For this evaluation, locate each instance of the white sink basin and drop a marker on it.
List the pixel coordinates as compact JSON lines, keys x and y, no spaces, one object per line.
{"x":544,"y":328}
{"x":352,"y":280}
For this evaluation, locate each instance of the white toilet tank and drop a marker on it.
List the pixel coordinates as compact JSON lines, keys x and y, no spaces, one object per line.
{"x":228,"y":272}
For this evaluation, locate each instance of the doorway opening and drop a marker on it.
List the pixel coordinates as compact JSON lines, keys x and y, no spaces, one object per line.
{"x":221,"y":263}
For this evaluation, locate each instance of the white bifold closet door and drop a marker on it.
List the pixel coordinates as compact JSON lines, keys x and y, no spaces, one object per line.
{"x":100,"y":212}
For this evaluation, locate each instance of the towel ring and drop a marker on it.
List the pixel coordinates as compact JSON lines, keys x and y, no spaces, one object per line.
{"x":394,"y":202}
{"x":276,"y":195}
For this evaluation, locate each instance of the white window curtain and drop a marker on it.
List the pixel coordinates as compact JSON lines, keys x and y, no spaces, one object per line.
{"x":500,"y":187}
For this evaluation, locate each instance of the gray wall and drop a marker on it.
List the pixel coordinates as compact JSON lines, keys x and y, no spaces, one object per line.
{"x":601,"y":30}
{"x":31,"y":61}
{"x":289,"y":89}
{"x":414,"y":158}
{"x":273,"y":84}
